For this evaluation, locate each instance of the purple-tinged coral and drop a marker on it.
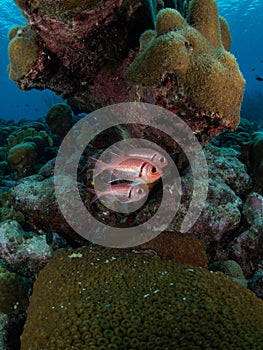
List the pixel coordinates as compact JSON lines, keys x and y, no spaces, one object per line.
{"x":75,"y":44}
{"x":23,"y":252}
{"x":91,"y":53}
{"x":35,"y":198}
{"x":256,"y":282}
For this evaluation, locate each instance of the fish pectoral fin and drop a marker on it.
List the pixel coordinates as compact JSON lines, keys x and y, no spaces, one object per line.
{"x":108,"y":200}
{"x":95,"y":194}
{"x":138,"y":181}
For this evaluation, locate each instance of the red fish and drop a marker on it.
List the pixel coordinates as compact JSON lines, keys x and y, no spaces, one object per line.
{"x":142,"y":153}
{"x":130,"y":169}
{"x":124,"y":193}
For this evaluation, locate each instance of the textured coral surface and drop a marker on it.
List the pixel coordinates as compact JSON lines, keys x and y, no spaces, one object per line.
{"x":92,"y":53}
{"x":111,"y":299}
{"x":204,"y":71}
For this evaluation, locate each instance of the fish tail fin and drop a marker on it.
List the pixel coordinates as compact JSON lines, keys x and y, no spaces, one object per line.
{"x":95,"y":194}
{"x":101,"y":166}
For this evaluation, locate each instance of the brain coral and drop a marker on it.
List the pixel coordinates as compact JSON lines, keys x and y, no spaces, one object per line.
{"x":191,"y":52}
{"x":111,"y":299}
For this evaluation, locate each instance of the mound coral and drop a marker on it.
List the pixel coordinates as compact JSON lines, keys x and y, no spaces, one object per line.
{"x":193,"y":56}
{"x":110,"y":299}
{"x":26,"y":135}
{"x":22,"y":158}
{"x":23,"y":147}
{"x":90,"y":54}
{"x":22,"y":51}
{"x":59,"y":119}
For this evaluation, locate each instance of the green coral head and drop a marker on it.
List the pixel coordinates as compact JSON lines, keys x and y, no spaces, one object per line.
{"x":168,"y":20}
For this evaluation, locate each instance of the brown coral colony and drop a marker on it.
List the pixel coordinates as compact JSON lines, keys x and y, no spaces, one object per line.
{"x":163,"y":294}
{"x":89,"y":52}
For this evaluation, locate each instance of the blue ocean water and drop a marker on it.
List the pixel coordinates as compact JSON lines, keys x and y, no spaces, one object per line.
{"x":245,"y":18}
{"x":17,"y":104}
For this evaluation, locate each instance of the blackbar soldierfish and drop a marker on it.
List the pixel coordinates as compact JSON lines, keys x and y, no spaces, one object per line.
{"x":124,"y":193}
{"x":142,"y":153}
{"x":129,"y":169}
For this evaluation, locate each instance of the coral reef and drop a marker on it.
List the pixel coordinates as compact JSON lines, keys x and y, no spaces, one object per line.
{"x":200,"y":68}
{"x":91,"y":55}
{"x":229,"y":183}
{"x":254,"y":151}
{"x":13,"y":293}
{"x":19,"y":136}
{"x":35,"y":199}
{"x":59,"y":119}
{"x":3,"y":323}
{"x":230,"y":268}
{"x":23,"y":51}
{"x":47,"y":169}
{"x":22,"y":158}
{"x":218,"y":226}
{"x":7,"y":210}
{"x":256,"y":283}
{"x":247,"y":248}
{"x":225,"y":33}
{"x":184,"y":249}
{"x":24,"y":252}
{"x":99,"y":298}
{"x":78,"y":41}
{"x":23,"y":147}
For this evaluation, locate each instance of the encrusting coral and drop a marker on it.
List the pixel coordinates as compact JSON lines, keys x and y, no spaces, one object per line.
{"x":59,"y":119}
{"x":95,"y":298}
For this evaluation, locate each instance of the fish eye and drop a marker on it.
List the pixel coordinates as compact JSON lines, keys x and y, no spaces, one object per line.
{"x":139,"y":191}
{"x":161,"y":159}
{"x":153,"y":170}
